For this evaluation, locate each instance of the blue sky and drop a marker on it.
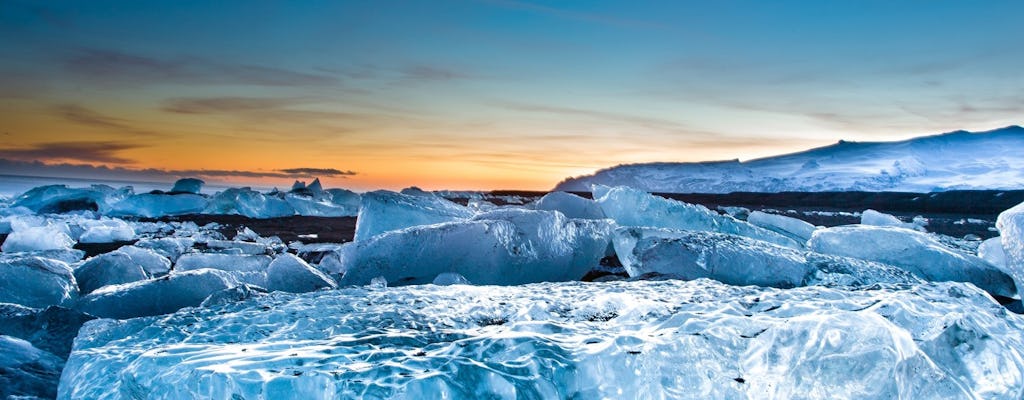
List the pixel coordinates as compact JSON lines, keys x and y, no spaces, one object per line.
{"x":490,"y":94}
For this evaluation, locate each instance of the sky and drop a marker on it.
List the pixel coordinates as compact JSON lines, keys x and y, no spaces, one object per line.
{"x":484,"y":94}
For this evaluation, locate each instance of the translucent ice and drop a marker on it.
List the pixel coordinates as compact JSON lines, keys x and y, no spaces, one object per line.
{"x":50,"y":329}
{"x":38,"y":238}
{"x":251,"y":269}
{"x":991,"y":250}
{"x":170,"y":247}
{"x":914,"y":251}
{"x":571,"y":205}
{"x":60,"y":198}
{"x":151,"y":205}
{"x":632,"y":207}
{"x":107,"y":230}
{"x":27,"y":371}
{"x":643,"y":340}
{"x":156,"y":296}
{"x":875,"y":218}
{"x":738,"y":260}
{"x":384,"y":211}
{"x":108,"y":269}
{"x":248,"y":202}
{"x":503,"y":247}
{"x":320,"y":206}
{"x":152,"y":262}
{"x":796,"y":229}
{"x":37,"y":282}
{"x":291,"y":274}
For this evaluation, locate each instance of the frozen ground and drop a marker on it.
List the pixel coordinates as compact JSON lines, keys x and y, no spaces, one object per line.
{"x":481,"y":298}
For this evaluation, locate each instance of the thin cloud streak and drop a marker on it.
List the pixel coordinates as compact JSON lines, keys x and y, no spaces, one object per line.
{"x":98,"y":152}
{"x":38,"y":168}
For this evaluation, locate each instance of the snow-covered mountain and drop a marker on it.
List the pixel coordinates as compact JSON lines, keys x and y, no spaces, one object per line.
{"x":958,"y":160}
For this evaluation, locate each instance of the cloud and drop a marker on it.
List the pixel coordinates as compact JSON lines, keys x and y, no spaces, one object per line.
{"x":667,"y":126}
{"x":85,"y":116}
{"x":99,"y":152}
{"x":114,"y":66}
{"x":71,"y":170}
{"x":218,"y":105}
{"x":421,"y":72}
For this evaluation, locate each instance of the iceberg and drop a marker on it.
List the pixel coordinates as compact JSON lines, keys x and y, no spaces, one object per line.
{"x":319,"y":207}
{"x":795,"y":229}
{"x":646,"y":339}
{"x":27,"y":371}
{"x":37,"y":282}
{"x":154,"y":205}
{"x":737,"y":260}
{"x":289,"y":273}
{"x":632,"y":207}
{"x":61,"y":199}
{"x":107,"y":230}
{"x":571,"y":205}
{"x":501,"y":247}
{"x":382,"y":211}
{"x":156,"y":296}
{"x":914,"y":251}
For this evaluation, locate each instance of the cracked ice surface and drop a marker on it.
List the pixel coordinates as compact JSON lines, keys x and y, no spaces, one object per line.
{"x":643,"y":339}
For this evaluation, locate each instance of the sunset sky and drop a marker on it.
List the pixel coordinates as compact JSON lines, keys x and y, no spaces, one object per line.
{"x":487,"y":94}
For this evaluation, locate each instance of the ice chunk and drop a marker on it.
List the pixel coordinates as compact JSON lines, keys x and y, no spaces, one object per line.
{"x":502,"y":247}
{"x":27,"y":371}
{"x":170,"y":247}
{"x":241,"y":247}
{"x":991,"y":250}
{"x":156,"y":296}
{"x":108,"y":269}
{"x":250,"y":203}
{"x":384,"y":211}
{"x":289,"y":273}
{"x":37,"y":282}
{"x":51,"y":329}
{"x":61,"y":199}
{"x":233,"y":295}
{"x":634,"y":340}
{"x":1011,"y":229}
{"x":251,"y":269}
{"x":64,"y":255}
{"x":106,"y":231}
{"x":914,"y":251}
{"x":153,"y":205}
{"x":188,"y":185}
{"x":875,"y":218}
{"x":345,"y":198}
{"x":38,"y":238}
{"x":450,"y":278}
{"x":571,"y":205}
{"x":322,"y":207}
{"x":794,"y":228}
{"x":632,"y":207}
{"x":738,"y":260}
{"x":152,"y":262}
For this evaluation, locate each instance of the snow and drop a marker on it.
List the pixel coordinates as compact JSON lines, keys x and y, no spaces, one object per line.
{"x":1011,"y":229}
{"x":571,"y":205}
{"x":156,"y":296}
{"x":632,"y":207}
{"x":914,"y":251}
{"x":738,"y":260}
{"x":37,"y":282}
{"x":665,"y":339}
{"x":152,"y":205}
{"x":289,"y":273}
{"x":188,"y":185}
{"x":26,"y":370}
{"x":503,"y":247}
{"x":952,"y":161}
{"x":108,"y":269}
{"x":382,"y":211}
{"x":107,"y":230}
{"x":793,"y":228}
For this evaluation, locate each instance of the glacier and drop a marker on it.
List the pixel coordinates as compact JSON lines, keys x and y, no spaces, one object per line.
{"x":647,"y":339}
{"x":957,"y":160}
